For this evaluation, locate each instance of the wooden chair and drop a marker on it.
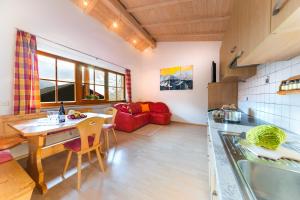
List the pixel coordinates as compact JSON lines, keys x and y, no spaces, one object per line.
{"x":90,"y":131}
{"x":110,"y":127}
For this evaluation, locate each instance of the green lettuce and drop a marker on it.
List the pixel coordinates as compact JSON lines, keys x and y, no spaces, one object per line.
{"x":267,"y":136}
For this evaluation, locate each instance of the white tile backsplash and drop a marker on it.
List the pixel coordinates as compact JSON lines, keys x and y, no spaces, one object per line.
{"x":259,"y":99}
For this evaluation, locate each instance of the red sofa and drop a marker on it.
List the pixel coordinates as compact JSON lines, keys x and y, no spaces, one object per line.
{"x":130,"y":116}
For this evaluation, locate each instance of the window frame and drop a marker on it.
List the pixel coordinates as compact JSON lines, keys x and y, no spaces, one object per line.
{"x":78,"y":83}
{"x":116,"y":87}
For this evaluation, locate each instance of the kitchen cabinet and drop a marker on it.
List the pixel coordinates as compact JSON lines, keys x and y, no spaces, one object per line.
{"x":231,"y":46}
{"x":254,"y":27}
{"x":259,"y":31}
{"x":222,"y":93}
{"x":285,"y":16}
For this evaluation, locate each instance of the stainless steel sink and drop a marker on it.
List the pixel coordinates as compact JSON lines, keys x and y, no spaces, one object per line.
{"x":270,"y":183}
{"x":260,"y":178}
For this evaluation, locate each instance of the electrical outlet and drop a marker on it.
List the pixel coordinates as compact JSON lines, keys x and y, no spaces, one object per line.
{"x":267,"y":80}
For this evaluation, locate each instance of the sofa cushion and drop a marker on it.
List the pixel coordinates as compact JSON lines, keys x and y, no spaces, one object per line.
{"x":141,"y":119}
{"x":134,"y":108}
{"x":123,"y":107}
{"x":145,"y":107}
{"x":160,"y":118}
{"x":159,"y":107}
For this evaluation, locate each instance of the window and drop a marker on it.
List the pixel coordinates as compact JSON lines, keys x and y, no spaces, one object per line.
{"x":93,"y":83}
{"x":73,"y":82}
{"x":57,"y":79}
{"x":116,"y":87}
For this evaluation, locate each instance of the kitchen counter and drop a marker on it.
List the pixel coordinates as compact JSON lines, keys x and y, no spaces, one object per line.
{"x":246,"y":120}
{"x":226,"y":184}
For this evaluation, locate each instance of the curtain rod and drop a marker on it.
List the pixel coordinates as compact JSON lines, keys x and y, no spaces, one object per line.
{"x":90,"y":55}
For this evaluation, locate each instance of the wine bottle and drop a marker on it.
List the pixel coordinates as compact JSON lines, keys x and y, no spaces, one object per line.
{"x":61,"y":113}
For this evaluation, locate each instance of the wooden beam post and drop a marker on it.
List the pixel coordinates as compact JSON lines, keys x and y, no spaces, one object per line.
{"x":118,"y":8}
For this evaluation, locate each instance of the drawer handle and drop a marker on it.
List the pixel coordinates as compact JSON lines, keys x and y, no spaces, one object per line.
{"x":279,"y":4}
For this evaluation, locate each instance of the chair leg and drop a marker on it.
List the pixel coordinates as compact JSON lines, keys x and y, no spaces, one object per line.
{"x":89,"y":156}
{"x":67,"y":162}
{"x":100,"y":160}
{"x":78,"y":171}
{"x":106,"y":136}
{"x":115,"y":136}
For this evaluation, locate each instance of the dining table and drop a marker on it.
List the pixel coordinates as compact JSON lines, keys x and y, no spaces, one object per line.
{"x":36,"y":132}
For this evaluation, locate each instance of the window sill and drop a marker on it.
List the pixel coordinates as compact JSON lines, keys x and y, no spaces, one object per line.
{"x":85,"y":103}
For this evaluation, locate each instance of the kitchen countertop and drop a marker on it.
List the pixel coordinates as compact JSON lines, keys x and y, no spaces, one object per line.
{"x":246,"y":120}
{"x":227,"y":185}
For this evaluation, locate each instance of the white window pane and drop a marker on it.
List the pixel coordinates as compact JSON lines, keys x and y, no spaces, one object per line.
{"x":87,"y":75}
{"x":46,"y":67}
{"x":120,"y":81}
{"x":112,"y":79}
{"x":99,"y":77}
{"x":99,"y":91}
{"x":112,"y":92}
{"x":120,"y":94}
{"x":65,"y":71}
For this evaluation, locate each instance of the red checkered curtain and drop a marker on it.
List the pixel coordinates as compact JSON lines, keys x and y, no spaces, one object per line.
{"x":26,"y":83}
{"x":128,"y":84}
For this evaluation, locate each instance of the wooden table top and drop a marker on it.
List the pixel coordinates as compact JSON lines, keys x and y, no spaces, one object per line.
{"x":42,"y":126}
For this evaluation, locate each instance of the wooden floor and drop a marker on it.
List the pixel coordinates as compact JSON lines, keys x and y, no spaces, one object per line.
{"x":172,"y":164}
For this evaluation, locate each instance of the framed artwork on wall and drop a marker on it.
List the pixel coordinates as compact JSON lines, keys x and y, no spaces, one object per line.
{"x":176,"y":78}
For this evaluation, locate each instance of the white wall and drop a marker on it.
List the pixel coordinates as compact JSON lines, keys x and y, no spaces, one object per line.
{"x":62,"y":22}
{"x":186,"y":105}
{"x":258,"y":98}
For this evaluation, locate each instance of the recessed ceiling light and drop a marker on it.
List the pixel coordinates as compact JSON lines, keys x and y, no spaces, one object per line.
{"x":115,"y":24}
{"x":85,"y":2}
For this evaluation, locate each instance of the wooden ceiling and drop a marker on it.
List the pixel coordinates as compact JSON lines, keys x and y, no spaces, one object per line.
{"x":143,"y":22}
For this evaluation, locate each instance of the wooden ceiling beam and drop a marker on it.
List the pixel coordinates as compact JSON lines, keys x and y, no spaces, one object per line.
{"x":88,"y":8}
{"x":157,"y":5}
{"x":188,"y":37}
{"x":187,"y":21}
{"x":118,"y":8}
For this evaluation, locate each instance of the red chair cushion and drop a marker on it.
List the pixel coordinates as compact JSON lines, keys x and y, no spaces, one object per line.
{"x":75,"y":145}
{"x":159,"y":107}
{"x":5,"y":156}
{"x":134,"y":108}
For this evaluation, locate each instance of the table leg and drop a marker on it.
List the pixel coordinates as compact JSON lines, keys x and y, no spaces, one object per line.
{"x":34,"y":163}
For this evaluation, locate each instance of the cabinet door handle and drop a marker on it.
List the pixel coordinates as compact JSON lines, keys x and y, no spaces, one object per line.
{"x":279,"y":4}
{"x":233,"y":49}
{"x":234,"y":61}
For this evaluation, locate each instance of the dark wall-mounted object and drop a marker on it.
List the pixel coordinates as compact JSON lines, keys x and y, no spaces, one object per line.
{"x":213,"y":72}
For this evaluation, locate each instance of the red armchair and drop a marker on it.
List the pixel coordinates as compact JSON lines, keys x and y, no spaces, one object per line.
{"x":130,"y":116}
